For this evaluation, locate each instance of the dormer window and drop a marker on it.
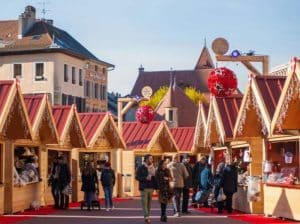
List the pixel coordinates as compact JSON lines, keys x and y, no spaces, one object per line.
{"x":171,"y":115}
{"x":39,"y":72}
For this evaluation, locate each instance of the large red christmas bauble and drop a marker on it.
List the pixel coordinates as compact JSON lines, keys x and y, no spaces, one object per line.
{"x":222,"y":82}
{"x":144,"y":114}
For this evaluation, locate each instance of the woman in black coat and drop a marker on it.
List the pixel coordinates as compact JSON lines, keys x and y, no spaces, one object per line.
{"x":64,"y":179}
{"x":89,"y":184}
{"x":229,"y":184}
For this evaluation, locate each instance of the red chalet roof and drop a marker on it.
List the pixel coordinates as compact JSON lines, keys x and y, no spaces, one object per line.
{"x":60,"y":114}
{"x":184,"y":137}
{"x":270,"y":88}
{"x":33,"y":103}
{"x":5,"y":87}
{"x":90,"y":123}
{"x":229,"y":108}
{"x":138,"y":135}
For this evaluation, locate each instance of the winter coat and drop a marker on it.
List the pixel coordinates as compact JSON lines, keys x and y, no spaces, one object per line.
{"x":108,"y":177}
{"x":188,"y":182}
{"x":197,"y":169}
{"x":229,"y":179}
{"x":64,"y":177}
{"x":141,"y":176}
{"x":89,"y":182}
{"x":179,"y":174}
{"x":206,"y":180}
{"x":165,"y":192}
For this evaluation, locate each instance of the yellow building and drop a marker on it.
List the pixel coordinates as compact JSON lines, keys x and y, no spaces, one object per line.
{"x":47,"y":59}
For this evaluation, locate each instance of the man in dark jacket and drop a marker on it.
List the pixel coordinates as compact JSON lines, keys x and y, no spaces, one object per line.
{"x":145,"y":174}
{"x":188,"y":183}
{"x":108,"y":179}
{"x":64,"y":179}
{"x":197,"y":169}
{"x":229,"y":184}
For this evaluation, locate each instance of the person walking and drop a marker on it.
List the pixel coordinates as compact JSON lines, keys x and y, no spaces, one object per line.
{"x":53,"y":181}
{"x":217,"y":185}
{"x":229,"y":184}
{"x":163,"y":176}
{"x":108,"y":180}
{"x":197,"y":169}
{"x":179,"y":174}
{"x":64,"y":181}
{"x":145,"y":175}
{"x":206,"y":183}
{"x":89,"y":184}
{"x":188,"y":183}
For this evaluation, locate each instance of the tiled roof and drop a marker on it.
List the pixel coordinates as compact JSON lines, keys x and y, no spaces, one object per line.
{"x":186,"y":109}
{"x":228,"y":108}
{"x":138,"y":135}
{"x":270,"y":88}
{"x":90,"y":123}
{"x":60,"y":114}
{"x":184,"y":137}
{"x":41,"y":36}
{"x":157,"y":79}
{"x":33,"y":103}
{"x":5,"y":87}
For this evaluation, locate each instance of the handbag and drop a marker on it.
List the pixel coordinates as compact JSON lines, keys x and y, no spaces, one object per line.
{"x":67,"y":190}
{"x":221,"y":196}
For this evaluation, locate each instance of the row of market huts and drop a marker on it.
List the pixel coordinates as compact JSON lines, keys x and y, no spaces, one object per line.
{"x":263,"y":122}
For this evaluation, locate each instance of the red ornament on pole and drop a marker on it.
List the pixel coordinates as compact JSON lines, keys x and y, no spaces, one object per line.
{"x":144,"y":114}
{"x":222,"y":82}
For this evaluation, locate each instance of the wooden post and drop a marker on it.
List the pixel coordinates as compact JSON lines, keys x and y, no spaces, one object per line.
{"x":120,"y":117}
{"x":43,"y":169}
{"x":8,"y":176}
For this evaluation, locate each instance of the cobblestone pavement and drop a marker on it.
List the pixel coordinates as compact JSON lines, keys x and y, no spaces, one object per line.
{"x":128,"y":212}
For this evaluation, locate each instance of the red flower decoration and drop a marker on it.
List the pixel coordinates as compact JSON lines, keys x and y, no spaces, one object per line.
{"x":222,"y":82}
{"x":144,"y":114}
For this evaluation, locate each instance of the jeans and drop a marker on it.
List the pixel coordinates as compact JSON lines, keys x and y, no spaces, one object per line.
{"x":88,"y":197}
{"x":163,"y":208}
{"x":176,"y":199}
{"x":55,"y":193}
{"x":146,"y":197}
{"x":108,"y":196}
{"x":185,"y":199}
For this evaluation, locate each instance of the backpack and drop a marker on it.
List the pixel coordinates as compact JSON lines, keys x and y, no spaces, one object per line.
{"x":107,"y":178}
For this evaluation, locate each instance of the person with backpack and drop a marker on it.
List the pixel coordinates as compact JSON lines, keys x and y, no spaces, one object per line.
{"x":206,"y":184}
{"x":108,"y":181}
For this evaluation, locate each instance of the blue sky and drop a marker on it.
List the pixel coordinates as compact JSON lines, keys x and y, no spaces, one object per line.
{"x":160,"y":34}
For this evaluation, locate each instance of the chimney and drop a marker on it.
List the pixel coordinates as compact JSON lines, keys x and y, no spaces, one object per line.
{"x":26,"y":21}
{"x":141,"y":69}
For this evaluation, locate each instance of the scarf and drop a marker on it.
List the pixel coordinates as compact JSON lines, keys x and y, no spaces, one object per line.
{"x":151,"y":169}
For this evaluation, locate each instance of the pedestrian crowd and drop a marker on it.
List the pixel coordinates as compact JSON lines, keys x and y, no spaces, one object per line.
{"x":173,"y":180}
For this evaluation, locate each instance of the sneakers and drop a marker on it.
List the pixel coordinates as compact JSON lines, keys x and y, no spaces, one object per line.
{"x":147,"y":220}
{"x":177,"y":214}
{"x":107,"y":209}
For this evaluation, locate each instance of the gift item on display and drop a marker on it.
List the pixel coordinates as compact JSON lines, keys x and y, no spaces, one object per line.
{"x":267,"y":166}
{"x":247,"y":156}
{"x":288,"y":157}
{"x":254,"y":189}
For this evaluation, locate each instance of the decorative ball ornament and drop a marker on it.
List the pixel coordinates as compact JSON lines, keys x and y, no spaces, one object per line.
{"x":222,"y":82}
{"x":220,"y":46}
{"x":144,"y":114}
{"x":235,"y":54}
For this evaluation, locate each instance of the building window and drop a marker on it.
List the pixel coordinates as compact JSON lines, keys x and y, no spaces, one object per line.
{"x":66,"y":77}
{"x":80,"y":77}
{"x":96,"y":91}
{"x":39,"y":71}
{"x":104,"y":92}
{"x":73,"y":75}
{"x":64,"y":99}
{"x":87,"y":88}
{"x":171,"y":117}
{"x":96,"y":68}
{"x":104,"y":70}
{"x":17,"y":71}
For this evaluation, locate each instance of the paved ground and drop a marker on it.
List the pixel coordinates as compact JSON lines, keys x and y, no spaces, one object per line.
{"x":125,"y":212}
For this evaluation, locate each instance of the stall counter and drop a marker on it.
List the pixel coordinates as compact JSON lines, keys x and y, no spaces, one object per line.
{"x":282,"y":200}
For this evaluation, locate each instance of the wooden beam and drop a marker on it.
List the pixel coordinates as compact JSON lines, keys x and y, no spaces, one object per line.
{"x":8,"y":176}
{"x":250,"y":67}
{"x":266,"y":65}
{"x":253,"y":58}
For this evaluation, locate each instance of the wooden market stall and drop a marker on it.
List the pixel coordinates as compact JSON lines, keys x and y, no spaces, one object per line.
{"x":251,"y":128}
{"x":199,"y":148}
{"x":220,"y":123}
{"x":71,"y":136}
{"x":104,"y":143}
{"x":14,"y":125}
{"x":154,"y":138}
{"x":282,"y":188}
